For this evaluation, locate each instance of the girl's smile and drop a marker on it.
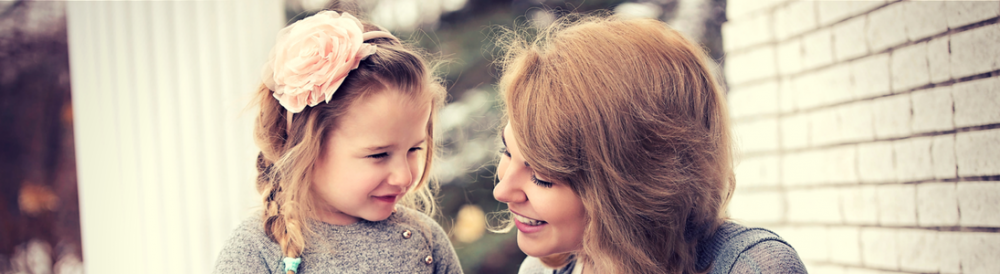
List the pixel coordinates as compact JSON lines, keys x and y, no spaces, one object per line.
{"x":373,"y":158}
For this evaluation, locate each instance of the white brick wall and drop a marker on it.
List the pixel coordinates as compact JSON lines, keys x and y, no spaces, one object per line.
{"x":871,"y":131}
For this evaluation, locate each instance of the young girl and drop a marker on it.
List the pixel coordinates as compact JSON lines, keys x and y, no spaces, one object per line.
{"x":346,"y":137}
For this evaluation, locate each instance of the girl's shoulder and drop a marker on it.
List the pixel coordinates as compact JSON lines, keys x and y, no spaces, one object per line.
{"x":248,"y":249}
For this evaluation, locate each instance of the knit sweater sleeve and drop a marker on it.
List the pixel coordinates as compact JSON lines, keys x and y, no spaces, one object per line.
{"x":768,"y":257}
{"x":242,"y":253}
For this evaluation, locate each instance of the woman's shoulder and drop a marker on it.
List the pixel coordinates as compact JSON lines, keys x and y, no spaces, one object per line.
{"x":736,"y":248}
{"x":532,"y":265}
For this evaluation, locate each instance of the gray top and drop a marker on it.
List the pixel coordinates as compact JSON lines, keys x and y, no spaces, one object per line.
{"x":733,"y":249}
{"x":401,"y":243}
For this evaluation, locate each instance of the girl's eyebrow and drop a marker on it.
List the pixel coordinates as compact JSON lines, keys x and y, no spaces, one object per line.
{"x":378,"y":148}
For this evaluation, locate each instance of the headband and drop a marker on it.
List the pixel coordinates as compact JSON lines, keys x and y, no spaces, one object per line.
{"x":311,"y":58}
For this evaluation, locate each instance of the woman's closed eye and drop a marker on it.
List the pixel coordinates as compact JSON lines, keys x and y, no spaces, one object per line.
{"x":540,"y":182}
{"x":504,"y":151}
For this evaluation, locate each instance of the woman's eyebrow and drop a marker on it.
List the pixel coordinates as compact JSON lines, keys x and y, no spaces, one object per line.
{"x":504,"y":139}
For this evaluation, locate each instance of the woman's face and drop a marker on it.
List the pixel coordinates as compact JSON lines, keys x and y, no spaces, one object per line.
{"x":549,"y":216}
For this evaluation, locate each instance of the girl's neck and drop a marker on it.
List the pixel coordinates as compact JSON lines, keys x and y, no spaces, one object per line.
{"x":336,"y":218}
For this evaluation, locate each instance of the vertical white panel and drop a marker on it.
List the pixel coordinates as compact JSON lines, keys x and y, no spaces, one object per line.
{"x":165,"y":154}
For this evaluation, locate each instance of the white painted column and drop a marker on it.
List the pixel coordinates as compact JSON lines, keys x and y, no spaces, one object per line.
{"x":165,"y":156}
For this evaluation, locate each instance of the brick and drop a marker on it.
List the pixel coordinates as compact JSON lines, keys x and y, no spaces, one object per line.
{"x":909,"y":67}
{"x":950,"y":255}
{"x":875,"y":162}
{"x":939,"y":59}
{"x":813,"y":206}
{"x":758,"y":99}
{"x":758,"y":171}
{"x":892,"y":116}
{"x":786,"y":95}
{"x":856,"y":122}
{"x":976,"y":152}
{"x":758,"y":136}
{"x":750,"y":65}
{"x":932,"y":110}
{"x":826,"y":166}
{"x":977,"y":102}
{"x":943,"y":156}
{"x":857,"y":270}
{"x":800,"y":168}
{"x":795,"y":18}
{"x":979,"y":252}
{"x":740,"y":9}
{"x":845,"y":246}
{"x":829,"y":12}
{"x":858,"y":204}
{"x":795,"y":131}
{"x":897,"y":205}
{"x":790,"y":57}
{"x":886,"y":28}
{"x":961,"y":13}
{"x":979,"y":203}
{"x":878,"y":248}
{"x":871,"y":76}
{"x":937,"y":204}
{"x":923,"y":19}
{"x":917,"y":250}
{"x":974,"y":51}
{"x":824,"y":87}
{"x":810,"y":242}
{"x":913,"y":159}
{"x":823,"y":127}
{"x":824,"y":268}
{"x":757,"y":206}
{"x":840,"y":163}
{"x":747,"y":32}
{"x":849,"y":38}
{"x":817,"y":49}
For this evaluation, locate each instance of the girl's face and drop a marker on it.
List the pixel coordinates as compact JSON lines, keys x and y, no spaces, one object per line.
{"x":371,"y":159}
{"x":549,"y":216}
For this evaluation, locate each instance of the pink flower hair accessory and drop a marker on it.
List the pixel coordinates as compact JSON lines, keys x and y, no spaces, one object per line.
{"x":311,"y":58}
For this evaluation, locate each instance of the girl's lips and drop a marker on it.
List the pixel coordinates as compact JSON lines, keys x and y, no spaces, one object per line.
{"x":387,"y":198}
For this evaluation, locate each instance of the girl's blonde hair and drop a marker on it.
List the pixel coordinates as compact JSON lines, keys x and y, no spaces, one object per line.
{"x":629,"y":115}
{"x":288,"y":152}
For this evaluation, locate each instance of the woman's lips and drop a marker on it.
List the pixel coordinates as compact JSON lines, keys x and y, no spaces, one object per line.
{"x":528,"y":225}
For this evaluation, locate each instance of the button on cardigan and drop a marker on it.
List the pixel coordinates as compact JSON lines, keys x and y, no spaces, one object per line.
{"x":401,"y":243}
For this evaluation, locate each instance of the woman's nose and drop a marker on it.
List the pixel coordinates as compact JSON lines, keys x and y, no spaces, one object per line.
{"x":508,"y":190}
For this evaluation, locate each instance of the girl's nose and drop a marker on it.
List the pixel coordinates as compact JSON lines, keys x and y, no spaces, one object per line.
{"x":401,"y":175}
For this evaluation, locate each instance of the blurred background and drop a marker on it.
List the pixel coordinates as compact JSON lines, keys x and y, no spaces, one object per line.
{"x":868,"y":130}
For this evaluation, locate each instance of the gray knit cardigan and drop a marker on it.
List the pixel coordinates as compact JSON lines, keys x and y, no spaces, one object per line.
{"x":733,"y":249}
{"x":406,"y":242}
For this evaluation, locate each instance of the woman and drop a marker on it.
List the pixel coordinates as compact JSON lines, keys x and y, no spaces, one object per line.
{"x":618,"y":156}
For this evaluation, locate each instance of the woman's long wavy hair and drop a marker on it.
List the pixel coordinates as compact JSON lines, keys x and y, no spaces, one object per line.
{"x":288,"y":152}
{"x":628,"y":113}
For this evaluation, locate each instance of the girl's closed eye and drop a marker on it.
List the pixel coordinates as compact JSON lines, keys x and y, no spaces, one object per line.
{"x":378,"y":155}
{"x":414,"y":149}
